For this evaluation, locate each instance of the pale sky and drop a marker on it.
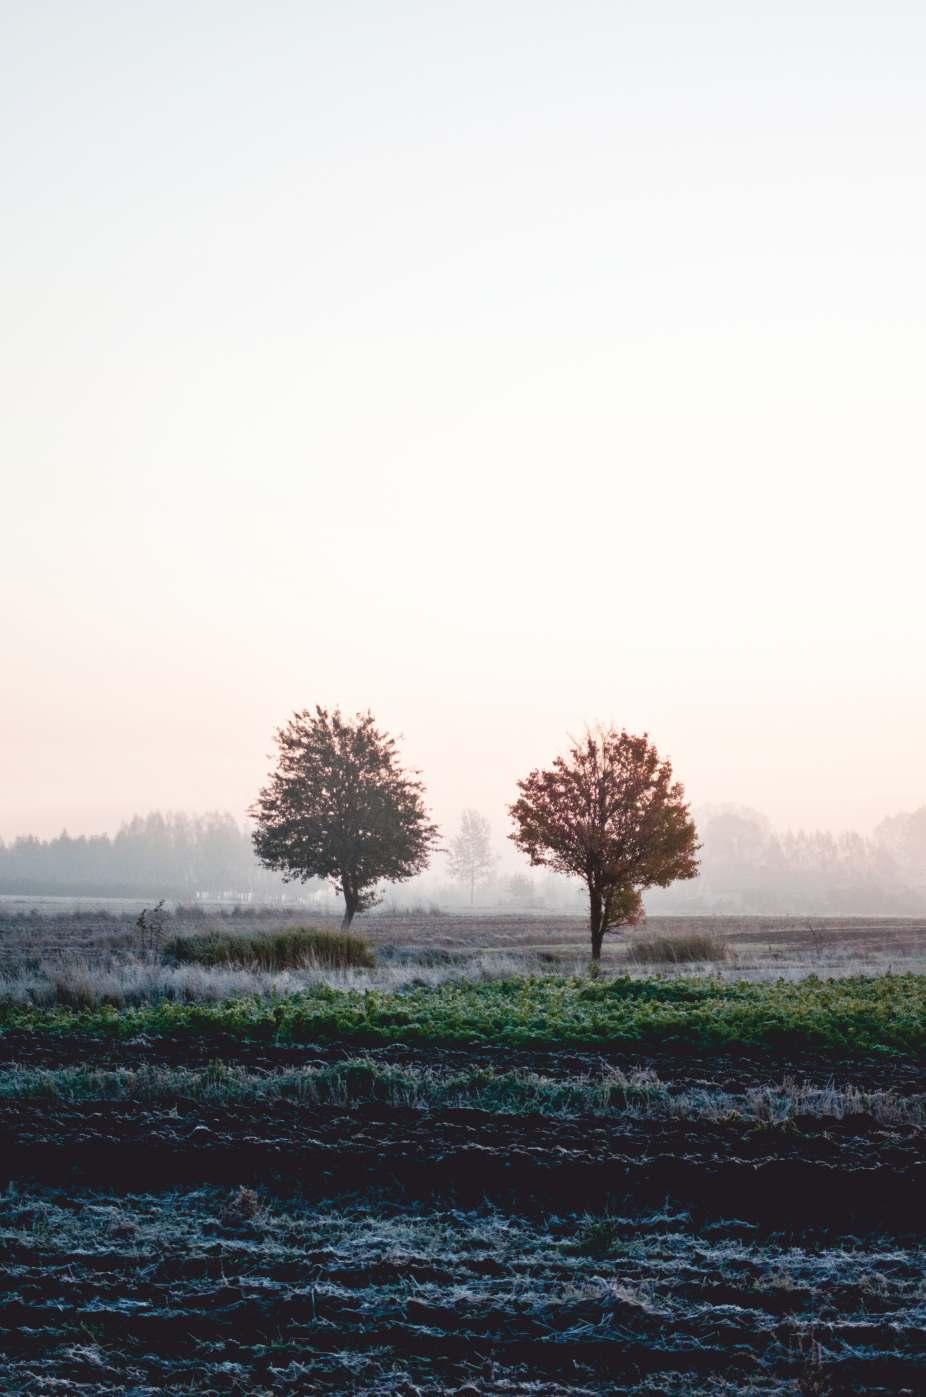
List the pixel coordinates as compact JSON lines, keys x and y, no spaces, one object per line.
{"x":499,"y":367}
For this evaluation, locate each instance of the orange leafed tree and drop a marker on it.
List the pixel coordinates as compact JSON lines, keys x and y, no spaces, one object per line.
{"x":610,"y":814}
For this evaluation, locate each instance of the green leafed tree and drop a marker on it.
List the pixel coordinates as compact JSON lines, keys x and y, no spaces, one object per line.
{"x":470,"y":855}
{"x":339,"y":806}
{"x":610,"y":814}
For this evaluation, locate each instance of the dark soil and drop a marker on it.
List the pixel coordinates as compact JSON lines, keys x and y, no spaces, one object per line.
{"x":287,"y":1248}
{"x":213,"y":1291}
{"x":853,"y":1170}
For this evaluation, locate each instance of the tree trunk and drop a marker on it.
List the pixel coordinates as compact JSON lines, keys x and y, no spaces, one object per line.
{"x":347,"y":918}
{"x":350,"y":905}
{"x":596,"y":921}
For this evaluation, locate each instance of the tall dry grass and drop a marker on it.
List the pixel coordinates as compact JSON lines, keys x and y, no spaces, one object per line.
{"x":692,"y":949}
{"x":292,"y":949}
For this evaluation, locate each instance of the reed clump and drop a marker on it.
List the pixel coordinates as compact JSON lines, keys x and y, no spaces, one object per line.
{"x":292,"y":949}
{"x":678,"y":950}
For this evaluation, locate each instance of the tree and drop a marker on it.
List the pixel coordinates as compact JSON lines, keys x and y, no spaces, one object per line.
{"x":610,"y":814}
{"x":339,"y":806}
{"x":520,"y":890}
{"x":904,"y":838}
{"x":470,"y":854}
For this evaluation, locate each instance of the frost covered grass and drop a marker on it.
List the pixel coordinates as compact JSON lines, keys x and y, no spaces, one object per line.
{"x":94,"y":957}
{"x":131,"y":1291}
{"x":132,"y":981}
{"x":361,"y":1081}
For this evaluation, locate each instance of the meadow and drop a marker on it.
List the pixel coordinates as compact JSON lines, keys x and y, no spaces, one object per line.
{"x":243,"y":1158}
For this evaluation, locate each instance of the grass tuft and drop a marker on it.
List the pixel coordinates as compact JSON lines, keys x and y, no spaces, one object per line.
{"x":292,"y":949}
{"x":597,"y":1236}
{"x":678,"y":950}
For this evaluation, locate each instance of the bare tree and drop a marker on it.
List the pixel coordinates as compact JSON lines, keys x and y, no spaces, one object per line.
{"x":470,"y":854}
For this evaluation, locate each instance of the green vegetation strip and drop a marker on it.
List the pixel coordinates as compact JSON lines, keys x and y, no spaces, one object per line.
{"x":887,"y":1014}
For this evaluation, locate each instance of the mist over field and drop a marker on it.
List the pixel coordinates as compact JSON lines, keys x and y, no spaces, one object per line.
{"x":746,"y":867}
{"x":500,"y":370}
{"x":463,"y":698}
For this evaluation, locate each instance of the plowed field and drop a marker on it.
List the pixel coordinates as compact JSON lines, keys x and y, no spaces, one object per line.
{"x":282,"y":1246}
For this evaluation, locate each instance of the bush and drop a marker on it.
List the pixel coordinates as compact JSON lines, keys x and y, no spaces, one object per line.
{"x":279,"y":950}
{"x":678,"y":950}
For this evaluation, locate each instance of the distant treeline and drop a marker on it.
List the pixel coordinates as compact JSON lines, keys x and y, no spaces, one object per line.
{"x":747,"y":867}
{"x":158,"y":855}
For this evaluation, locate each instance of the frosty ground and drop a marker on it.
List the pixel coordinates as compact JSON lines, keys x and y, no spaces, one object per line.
{"x":253,"y":1211}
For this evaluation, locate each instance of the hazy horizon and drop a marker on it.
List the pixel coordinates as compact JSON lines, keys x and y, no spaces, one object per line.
{"x":499,"y":822}
{"x":500,"y":370}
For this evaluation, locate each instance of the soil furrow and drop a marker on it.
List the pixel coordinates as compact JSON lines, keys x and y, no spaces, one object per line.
{"x":720,"y":1070}
{"x":792,"y":1176}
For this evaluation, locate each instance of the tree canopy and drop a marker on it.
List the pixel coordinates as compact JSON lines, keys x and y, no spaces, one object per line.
{"x":339,"y":806}
{"x":610,"y":814}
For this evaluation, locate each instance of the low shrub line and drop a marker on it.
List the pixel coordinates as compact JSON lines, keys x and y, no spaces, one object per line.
{"x":887,"y":1013}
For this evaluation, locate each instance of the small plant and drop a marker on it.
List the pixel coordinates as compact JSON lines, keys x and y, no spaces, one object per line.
{"x":121,"y":1227}
{"x":812,"y":1378}
{"x":597,"y":1237}
{"x":678,"y":950}
{"x":242,"y":1207}
{"x":280,"y":950}
{"x":150,"y":925}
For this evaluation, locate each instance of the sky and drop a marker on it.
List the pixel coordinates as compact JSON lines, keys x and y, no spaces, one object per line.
{"x":496,"y":367}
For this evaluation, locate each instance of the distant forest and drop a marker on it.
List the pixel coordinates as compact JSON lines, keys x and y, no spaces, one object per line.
{"x":746,"y":867}
{"x":158,"y":855}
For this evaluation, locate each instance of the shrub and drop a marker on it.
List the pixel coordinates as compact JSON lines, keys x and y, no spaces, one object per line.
{"x":678,"y":950}
{"x":279,"y":950}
